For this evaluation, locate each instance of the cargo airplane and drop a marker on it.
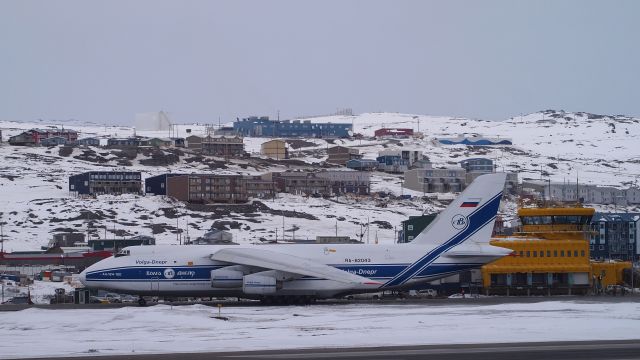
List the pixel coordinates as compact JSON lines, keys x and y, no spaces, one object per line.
{"x":457,"y":240}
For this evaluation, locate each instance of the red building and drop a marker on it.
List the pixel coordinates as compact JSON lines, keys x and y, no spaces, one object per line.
{"x":396,"y":133}
{"x":34,"y":136}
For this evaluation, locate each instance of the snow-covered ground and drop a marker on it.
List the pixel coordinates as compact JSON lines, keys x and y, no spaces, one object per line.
{"x":164,"y":328}
{"x":35,"y":202}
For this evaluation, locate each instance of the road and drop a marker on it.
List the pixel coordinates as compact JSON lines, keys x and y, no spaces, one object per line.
{"x":492,"y":300}
{"x":522,"y":351}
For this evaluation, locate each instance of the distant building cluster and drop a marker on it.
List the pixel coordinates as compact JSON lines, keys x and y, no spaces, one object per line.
{"x":576,"y":192}
{"x":44,"y":137}
{"x":221,"y":188}
{"x":263,"y":127}
{"x":474,"y":141}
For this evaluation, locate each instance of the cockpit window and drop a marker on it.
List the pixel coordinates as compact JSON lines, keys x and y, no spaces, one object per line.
{"x":123,"y":252}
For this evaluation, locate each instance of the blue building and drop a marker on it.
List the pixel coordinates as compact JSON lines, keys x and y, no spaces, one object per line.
{"x":124,"y":142}
{"x":362,"y":164}
{"x":157,"y":185}
{"x":479,"y":165}
{"x":53,"y":141}
{"x":263,"y":127}
{"x":392,"y":164}
{"x":90,"y":141}
{"x":106,"y":182}
{"x":475,"y":141}
{"x":615,"y":236}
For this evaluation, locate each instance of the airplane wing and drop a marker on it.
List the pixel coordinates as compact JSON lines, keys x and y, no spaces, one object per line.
{"x":289,"y":263}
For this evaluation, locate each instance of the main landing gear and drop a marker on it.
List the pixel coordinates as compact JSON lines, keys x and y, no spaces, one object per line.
{"x":288,"y":300}
{"x":142,"y":301}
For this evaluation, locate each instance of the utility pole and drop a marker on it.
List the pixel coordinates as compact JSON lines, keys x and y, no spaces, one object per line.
{"x":283,"y":237}
{"x":2,"y":241}
{"x":367,"y":229}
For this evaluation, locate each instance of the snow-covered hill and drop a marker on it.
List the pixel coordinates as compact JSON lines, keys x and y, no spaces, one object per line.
{"x":35,"y":203}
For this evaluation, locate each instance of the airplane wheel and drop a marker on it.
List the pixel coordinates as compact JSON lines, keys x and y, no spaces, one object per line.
{"x":142,"y":301}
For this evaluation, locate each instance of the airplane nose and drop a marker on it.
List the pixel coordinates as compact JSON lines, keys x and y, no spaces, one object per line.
{"x":83,"y":278}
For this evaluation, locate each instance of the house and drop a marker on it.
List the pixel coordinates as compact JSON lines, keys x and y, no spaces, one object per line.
{"x":207,"y":188}
{"x":263,"y":127}
{"x":123,"y":142}
{"x":435,"y":180}
{"x":35,"y":136}
{"x":53,"y":141}
{"x":590,"y":194}
{"x":614,"y":236}
{"x":193,"y":142}
{"x":115,"y":245}
{"x":392,"y":164}
{"x":160,"y":142}
{"x":178,"y":141}
{"x":476,"y":167}
{"x":339,"y":155}
{"x":69,"y":239}
{"x":214,"y":237}
{"x":393,"y":133}
{"x":90,"y":141}
{"x":157,"y":185}
{"x":414,"y":226}
{"x":344,"y":181}
{"x":106,"y":182}
{"x":259,"y":186}
{"x":275,"y":149}
{"x":410,"y":155}
{"x":362,"y":164}
{"x":300,"y":182}
{"x":223,"y":146}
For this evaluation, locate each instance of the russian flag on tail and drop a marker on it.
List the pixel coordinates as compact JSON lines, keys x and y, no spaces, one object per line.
{"x":471,"y":203}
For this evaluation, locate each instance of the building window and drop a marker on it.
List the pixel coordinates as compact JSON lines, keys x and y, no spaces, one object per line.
{"x":575,"y":253}
{"x":582,"y":253}
{"x":528,"y":253}
{"x":548,"y":253}
{"x":410,"y":238}
{"x":561,"y":253}
{"x":601,"y":247}
{"x":555,"y":253}
{"x":568,"y":253}
{"x":410,"y":227}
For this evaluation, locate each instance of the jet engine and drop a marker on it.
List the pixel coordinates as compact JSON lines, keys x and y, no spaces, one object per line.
{"x":259,"y":284}
{"x":226,"y":278}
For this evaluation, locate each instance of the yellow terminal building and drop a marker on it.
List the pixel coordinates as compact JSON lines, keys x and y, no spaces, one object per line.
{"x":550,"y":256}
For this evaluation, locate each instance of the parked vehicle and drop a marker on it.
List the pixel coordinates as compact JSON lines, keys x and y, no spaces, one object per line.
{"x":428,"y":293}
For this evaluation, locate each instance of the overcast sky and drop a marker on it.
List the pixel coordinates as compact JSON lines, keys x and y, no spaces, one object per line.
{"x":105,"y":61}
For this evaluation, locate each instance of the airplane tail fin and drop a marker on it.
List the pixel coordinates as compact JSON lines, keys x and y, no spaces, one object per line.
{"x":470,"y":217}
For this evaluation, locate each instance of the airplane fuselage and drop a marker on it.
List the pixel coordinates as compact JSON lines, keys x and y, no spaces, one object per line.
{"x":169,"y":270}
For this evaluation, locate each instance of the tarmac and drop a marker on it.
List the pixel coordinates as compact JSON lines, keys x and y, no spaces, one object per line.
{"x":500,"y":351}
{"x":229,"y":302}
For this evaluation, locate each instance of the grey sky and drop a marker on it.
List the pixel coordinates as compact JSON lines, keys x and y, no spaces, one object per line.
{"x":104,"y":61}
